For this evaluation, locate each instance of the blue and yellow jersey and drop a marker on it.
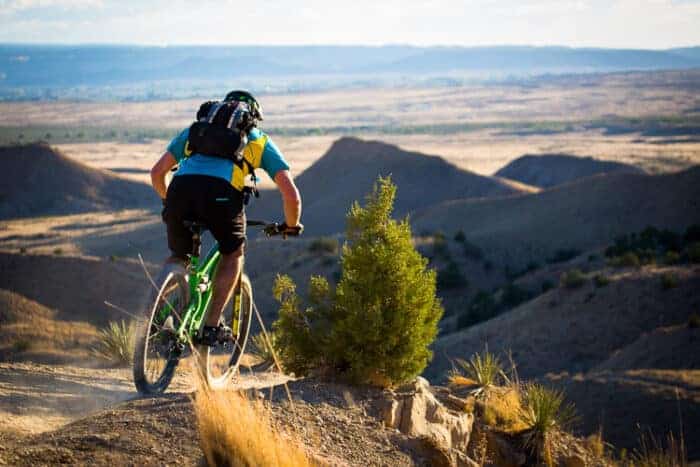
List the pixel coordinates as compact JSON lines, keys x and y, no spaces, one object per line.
{"x":260,"y":152}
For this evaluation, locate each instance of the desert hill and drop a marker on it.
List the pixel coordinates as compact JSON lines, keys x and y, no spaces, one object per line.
{"x":548,"y":170}
{"x":76,"y":287}
{"x":584,"y":214}
{"x":671,"y":348}
{"x":624,"y":403}
{"x":31,"y":331}
{"x":349,"y":169}
{"x":625,"y":352}
{"x":37,"y":180}
{"x":577,"y":330}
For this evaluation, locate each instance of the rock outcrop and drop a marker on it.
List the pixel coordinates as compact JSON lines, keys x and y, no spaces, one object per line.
{"x":415,"y":411}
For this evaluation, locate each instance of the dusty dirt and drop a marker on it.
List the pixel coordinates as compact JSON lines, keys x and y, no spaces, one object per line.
{"x":72,"y":415}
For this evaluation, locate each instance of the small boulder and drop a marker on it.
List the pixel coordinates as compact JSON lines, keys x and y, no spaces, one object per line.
{"x":416,"y":412}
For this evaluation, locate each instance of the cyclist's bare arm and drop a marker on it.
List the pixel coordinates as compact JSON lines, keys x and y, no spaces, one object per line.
{"x":291,"y":199}
{"x":161,"y":168}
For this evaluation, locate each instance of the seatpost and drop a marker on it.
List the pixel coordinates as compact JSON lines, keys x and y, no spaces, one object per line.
{"x":196,"y":242}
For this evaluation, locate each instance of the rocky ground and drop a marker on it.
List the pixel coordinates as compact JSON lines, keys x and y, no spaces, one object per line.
{"x":72,"y":415}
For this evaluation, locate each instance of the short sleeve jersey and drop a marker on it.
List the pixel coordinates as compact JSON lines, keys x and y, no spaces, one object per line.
{"x":200,"y":164}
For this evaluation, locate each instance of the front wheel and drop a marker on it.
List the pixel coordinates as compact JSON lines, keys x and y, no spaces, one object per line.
{"x":158,"y":351}
{"x":219,"y":363}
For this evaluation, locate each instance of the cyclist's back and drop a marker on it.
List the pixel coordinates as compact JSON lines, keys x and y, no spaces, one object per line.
{"x":209,"y":188}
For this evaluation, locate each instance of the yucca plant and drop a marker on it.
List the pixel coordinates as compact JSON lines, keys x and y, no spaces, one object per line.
{"x":116,"y":343}
{"x":261,"y":349}
{"x":482,"y":371}
{"x":544,"y":411}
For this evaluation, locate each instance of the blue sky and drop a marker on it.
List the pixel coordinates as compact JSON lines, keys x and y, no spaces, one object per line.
{"x":612,"y":23}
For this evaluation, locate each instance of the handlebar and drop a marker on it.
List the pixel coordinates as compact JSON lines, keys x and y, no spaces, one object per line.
{"x":273,"y":228}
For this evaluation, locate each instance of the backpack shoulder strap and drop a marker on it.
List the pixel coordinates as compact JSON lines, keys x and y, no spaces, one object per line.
{"x":213,"y":111}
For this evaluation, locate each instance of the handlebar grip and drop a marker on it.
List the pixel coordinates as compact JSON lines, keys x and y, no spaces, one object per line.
{"x":283,"y":229}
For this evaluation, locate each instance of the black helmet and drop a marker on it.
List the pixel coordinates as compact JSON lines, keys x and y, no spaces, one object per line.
{"x":245,"y":96}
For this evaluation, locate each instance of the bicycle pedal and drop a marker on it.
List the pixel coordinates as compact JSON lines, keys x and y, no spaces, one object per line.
{"x":169,"y":325}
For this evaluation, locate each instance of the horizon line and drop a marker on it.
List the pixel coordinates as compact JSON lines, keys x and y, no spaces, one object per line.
{"x":329,"y":45}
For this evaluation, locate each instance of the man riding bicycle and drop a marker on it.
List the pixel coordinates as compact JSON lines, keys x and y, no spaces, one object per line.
{"x":210,"y":189}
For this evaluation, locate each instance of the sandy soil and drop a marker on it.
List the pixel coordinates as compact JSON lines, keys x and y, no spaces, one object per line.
{"x":35,"y":398}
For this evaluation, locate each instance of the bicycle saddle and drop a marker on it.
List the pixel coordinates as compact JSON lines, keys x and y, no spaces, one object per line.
{"x":194,"y":226}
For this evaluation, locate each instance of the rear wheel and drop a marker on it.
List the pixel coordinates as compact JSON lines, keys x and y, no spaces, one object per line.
{"x":158,"y":351}
{"x":219,"y":363}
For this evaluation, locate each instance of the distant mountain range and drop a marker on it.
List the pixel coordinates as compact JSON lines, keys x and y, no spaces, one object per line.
{"x":36,"y":71}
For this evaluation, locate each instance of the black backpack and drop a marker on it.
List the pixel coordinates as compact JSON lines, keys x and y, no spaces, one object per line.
{"x":221,"y":129}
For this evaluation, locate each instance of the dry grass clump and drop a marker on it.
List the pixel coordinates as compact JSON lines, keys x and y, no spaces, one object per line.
{"x":652,"y":453}
{"x":595,"y":444}
{"x":501,"y":409}
{"x":573,"y":279}
{"x":116,"y":343}
{"x":234,"y":431}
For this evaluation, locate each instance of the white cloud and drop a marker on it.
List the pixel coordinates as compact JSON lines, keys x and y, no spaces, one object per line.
{"x":610,"y":23}
{"x":20,"y":5}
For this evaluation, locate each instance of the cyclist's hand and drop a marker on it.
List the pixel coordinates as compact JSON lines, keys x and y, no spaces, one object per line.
{"x":283,"y":229}
{"x":294,"y":231}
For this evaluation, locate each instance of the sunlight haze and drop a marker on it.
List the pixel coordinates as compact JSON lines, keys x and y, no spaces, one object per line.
{"x":595,"y":23}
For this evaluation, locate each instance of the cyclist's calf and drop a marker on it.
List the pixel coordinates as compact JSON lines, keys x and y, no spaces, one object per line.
{"x":227,"y":274}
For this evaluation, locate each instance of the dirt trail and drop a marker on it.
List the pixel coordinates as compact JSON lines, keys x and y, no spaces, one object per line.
{"x":81,"y":416}
{"x":35,"y":398}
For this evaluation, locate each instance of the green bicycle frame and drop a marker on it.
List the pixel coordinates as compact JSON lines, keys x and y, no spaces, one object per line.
{"x":201,"y":290}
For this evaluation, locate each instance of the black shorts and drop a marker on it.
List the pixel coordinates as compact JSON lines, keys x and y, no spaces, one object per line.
{"x":209,"y":200}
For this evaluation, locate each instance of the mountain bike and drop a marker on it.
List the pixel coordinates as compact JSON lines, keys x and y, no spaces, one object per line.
{"x":179,"y":306}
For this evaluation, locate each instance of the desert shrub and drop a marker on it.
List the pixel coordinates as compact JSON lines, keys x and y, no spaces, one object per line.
{"x":234,"y":431}
{"x":116,"y":343}
{"x":669,"y":281}
{"x":481,"y":370}
{"x":648,"y":244}
{"x":451,"y":277}
{"x":324,"y":245}
{"x":573,"y":279}
{"x":21,"y":345}
{"x":385,"y":293}
{"x":692,"y":234}
{"x":58,"y":251}
{"x":694,"y":252}
{"x":563,"y":254}
{"x":440,"y":248}
{"x":694,"y":321}
{"x":546,"y":285}
{"x":460,"y":237}
{"x":629,"y":260}
{"x":672,"y":257}
{"x":482,"y":307}
{"x":302,"y":334}
{"x":544,"y":411}
{"x":601,"y":280}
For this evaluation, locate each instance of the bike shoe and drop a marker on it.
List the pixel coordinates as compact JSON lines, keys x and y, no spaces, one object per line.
{"x":211,"y":335}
